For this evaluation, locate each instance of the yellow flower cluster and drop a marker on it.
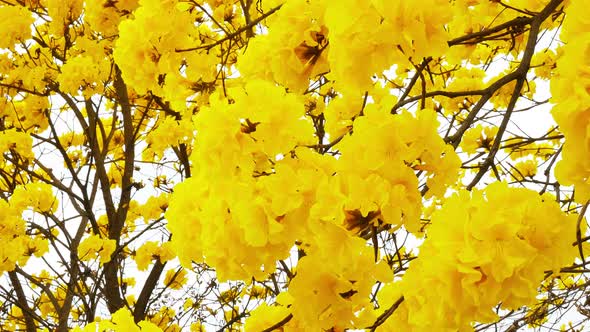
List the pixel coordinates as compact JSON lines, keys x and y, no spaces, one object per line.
{"x":367,"y":37}
{"x":45,"y":305}
{"x":152,"y":209}
{"x":162,"y":319}
{"x":352,"y":40}
{"x":257,"y":189}
{"x":483,"y":248}
{"x":37,"y":196}
{"x":175,"y":279}
{"x":295,"y":49}
{"x":104,"y":16}
{"x":167,"y":132}
{"x":150,"y":250}
{"x":146,"y":51}
{"x":544,"y":64}
{"x":464,"y":79}
{"x":95,"y":245}
{"x":334,"y":281}
{"x":524,"y":169}
{"x":571,"y":92}
{"x":27,"y":114}
{"x":17,"y":243}
{"x":121,"y":321}
{"x":265,"y":316}
{"x":16,"y":25}
{"x":228,"y":204}
{"x":385,"y":150}
{"x":238,"y":178}
{"x":142,"y":53}
{"x":83,"y":72}
{"x":63,"y":13}
{"x":478,"y":137}
{"x":15,"y":141}
{"x":17,"y":70}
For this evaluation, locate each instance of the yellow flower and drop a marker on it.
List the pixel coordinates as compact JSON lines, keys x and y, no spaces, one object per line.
{"x":198,"y":327}
{"x":95,"y":245}
{"x":145,"y":254}
{"x":175,"y":279}
{"x":16,"y":25}
{"x":524,"y":169}
{"x":484,"y":248}
{"x":265,"y":316}
{"x":39,"y":196}
{"x":82,"y":73}
{"x":478,"y":137}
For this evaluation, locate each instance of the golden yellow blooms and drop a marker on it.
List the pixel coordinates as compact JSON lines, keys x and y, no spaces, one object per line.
{"x":151,"y":250}
{"x":121,"y":321}
{"x":376,"y":169}
{"x":83,"y":73}
{"x":175,"y":279}
{"x":351,"y":40}
{"x":265,"y":316}
{"x":339,"y":115}
{"x":367,"y":37}
{"x":145,"y":48}
{"x":12,"y":234}
{"x":483,"y":248}
{"x":330,"y":290}
{"x":197,"y":327}
{"x":17,"y":141}
{"x":95,"y":245}
{"x":38,"y":196}
{"x":234,"y":161}
{"x":478,"y":137}
{"x":18,"y":243}
{"x":72,"y":139}
{"x":290,"y":144}
{"x":164,"y":319}
{"x":571,"y":92}
{"x":153,"y":208}
{"x":63,"y":13}
{"x":525,"y":169}
{"x":27,"y":114}
{"x":294,"y":51}
{"x":104,"y":16}
{"x":168,"y":132}
{"x":544,"y":63}
{"x":241,"y":225}
{"x":16,"y":25}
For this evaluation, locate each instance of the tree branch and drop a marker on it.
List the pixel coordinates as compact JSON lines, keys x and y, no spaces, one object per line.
{"x":22,"y":302}
{"x":384,"y":316}
{"x":233,"y":34}
{"x":279,"y":324}
{"x":520,"y":75}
